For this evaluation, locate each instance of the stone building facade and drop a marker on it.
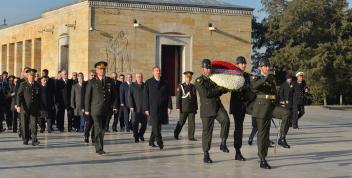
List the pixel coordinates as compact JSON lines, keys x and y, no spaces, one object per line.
{"x":132,"y":35}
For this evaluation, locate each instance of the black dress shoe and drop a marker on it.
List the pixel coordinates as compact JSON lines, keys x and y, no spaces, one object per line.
{"x":25,"y":142}
{"x":14,"y":131}
{"x":264,"y":164}
{"x":86,"y":140}
{"x":114,"y":130}
{"x":101,"y":152}
{"x":239,"y":157}
{"x":224,"y":148}
{"x":282,"y":142}
{"x":136,"y":140}
{"x":152,"y":145}
{"x":207,"y":159}
{"x":192,"y":139}
{"x":41,"y":131}
{"x":35,"y":143}
{"x":161,"y":145}
{"x":141,"y":138}
{"x":250,"y":141}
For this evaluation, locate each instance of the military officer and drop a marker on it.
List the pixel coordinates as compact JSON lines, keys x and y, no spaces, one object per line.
{"x":29,"y":105}
{"x":100,"y":102}
{"x":186,"y":105}
{"x":211,"y":109}
{"x":264,"y":108}
{"x":238,"y":103}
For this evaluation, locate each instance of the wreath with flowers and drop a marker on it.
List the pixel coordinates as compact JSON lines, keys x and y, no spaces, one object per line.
{"x":227,"y":75}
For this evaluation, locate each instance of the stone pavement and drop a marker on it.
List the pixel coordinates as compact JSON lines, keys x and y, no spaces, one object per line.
{"x":321,"y":148}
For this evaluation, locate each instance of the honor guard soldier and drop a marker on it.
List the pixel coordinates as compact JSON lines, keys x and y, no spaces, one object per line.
{"x":211,"y":109}
{"x":100,"y":102}
{"x":238,"y":104}
{"x":29,"y":105}
{"x":186,"y":105}
{"x":264,"y":108}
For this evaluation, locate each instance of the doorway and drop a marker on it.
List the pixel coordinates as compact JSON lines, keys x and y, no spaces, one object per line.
{"x":171,"y":67}
{"x":64,"y":57}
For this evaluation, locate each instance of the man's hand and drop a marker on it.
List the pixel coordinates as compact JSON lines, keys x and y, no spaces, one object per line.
{"x":18,"y":109}
{"x":122,"y":105}
{"x":82,"y":110}
{"x":179,"y":110}
{"x":169,"y":110}
{"x":132,"y":109}
{"x":87,"y":113}
{"x":114,"y":110}
{"x":147,"y":113}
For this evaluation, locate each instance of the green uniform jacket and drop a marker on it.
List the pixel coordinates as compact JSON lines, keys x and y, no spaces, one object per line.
{"x":29,"y":98}
{"x":262,"y":85}
{"x":209,"y":95}
{"x":188,"y":104}
{"x":100,"y":97}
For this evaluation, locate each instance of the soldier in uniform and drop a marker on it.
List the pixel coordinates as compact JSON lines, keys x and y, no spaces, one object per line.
{"x":18,"y":84}
{"x":100,"y":103}
{"x":299,"y":91}
{"x":211,"y":109}
{"x":238,"y":103}
{"x":186,"y":104}
{"x":28,"y":105}
{"x":264,"y":108}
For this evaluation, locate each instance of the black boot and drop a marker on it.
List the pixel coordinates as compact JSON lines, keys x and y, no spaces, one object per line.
{"x":207,"y":158}
{"x":283,"y":143}
{"x":264,"y":164}
{"x":151,"y":144}
{"x":177,"y":130}
{"x":239,"y":156}
{"x":86,"y":140}
{"x":35,"y":142}
{"x":223,"y":146}
{"x":136,"y":140}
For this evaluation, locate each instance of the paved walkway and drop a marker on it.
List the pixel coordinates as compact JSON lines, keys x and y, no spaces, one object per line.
{"x":322,"y":148}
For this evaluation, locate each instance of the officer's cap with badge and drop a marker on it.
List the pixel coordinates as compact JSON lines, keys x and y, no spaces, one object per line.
{"x":264,"y":62}
{"x":188,"y":73}
{"x":101,"y":65}
{"x":31,"y":72}
{"x":206,"y":64}
{"x":241,"y":60}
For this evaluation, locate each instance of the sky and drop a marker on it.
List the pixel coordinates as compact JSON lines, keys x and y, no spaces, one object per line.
{"x":16,"y":11}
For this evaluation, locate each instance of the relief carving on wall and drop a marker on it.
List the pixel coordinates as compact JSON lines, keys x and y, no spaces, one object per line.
{"x":117,"y":53}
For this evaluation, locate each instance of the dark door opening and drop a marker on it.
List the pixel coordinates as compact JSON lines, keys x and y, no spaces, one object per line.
{"x":64,"y":57}
{"x":171,"y":57}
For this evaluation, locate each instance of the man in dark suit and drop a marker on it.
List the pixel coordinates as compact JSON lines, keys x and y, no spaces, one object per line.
{"x":187,"y":106}
{"x":117,"y":85}
{"x":124,"y":101}
{"x":51,"y":87}
{"x":211,"y":109}
{"x":238,"y":103}
{"x":47,"y":103}
{"x":135,"y":100}
{"x":12,"y":94}
{"x":157,"y":105}
{"x":29,"y":103}
{"x":99,"y":103}
{"x":89,"y":123}
{"x":63,"y":98}
{"x":121,"y":113}
{"x":76,"y":102}
{"x":285,"y":93}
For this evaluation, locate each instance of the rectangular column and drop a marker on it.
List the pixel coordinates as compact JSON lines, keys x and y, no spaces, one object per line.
{"x":10,"y":58}
{"x":3,"y":57}
{"x":27,"y":53}
{"x":18,"y":58}
{"x":37,"y":53}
